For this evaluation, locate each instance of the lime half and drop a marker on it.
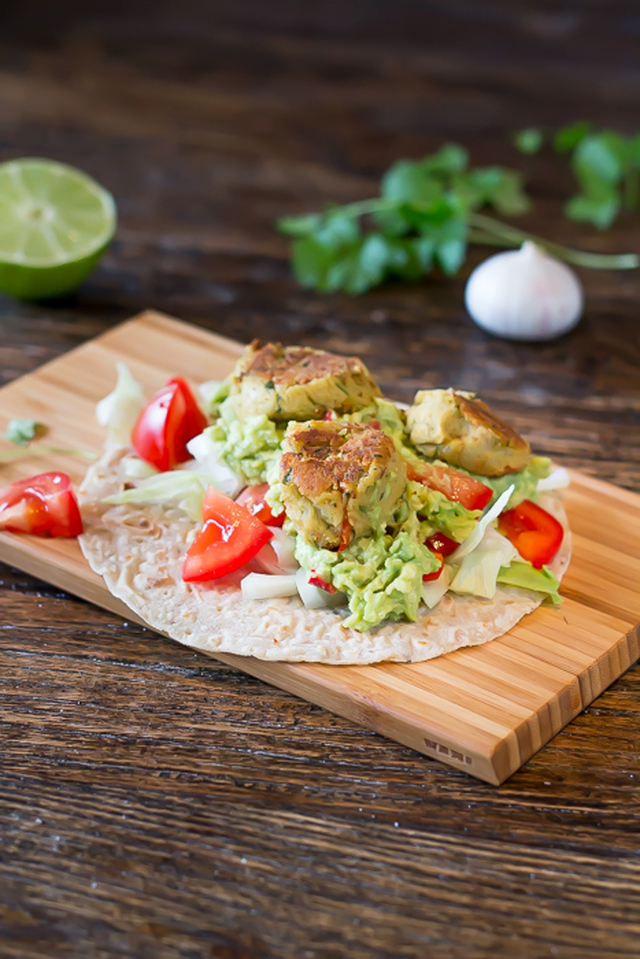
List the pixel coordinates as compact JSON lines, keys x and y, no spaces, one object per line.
{"x":55,"y":224}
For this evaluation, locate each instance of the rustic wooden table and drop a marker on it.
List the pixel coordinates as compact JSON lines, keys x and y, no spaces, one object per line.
{"x":153,"y":803}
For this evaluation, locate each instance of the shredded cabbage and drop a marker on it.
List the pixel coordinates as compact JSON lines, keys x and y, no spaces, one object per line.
{"x":434,"y":590}
{"x":478,"y":571}
{"x":523,"y":574}
{"x":120,"y":409}
{"x":492,"y":513}
{"x":184,"y":488}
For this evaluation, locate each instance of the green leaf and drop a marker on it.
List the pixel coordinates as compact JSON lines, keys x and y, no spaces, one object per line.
{"x":477,"y":186}
{"x":409,"y":183}
{"x":600,"y":211}
{"x":599,"y":157}
{"x":634,"y":151}
{"x":425,"y":248}
{"x":370,"y":264}
{"x":451,"y":246}
{"x":450,"y":159}
{"x":568,"y":138}
{"x":338,"y":230}
{"x":21,"y":432}
{"x":528,"y":141}
{"x":311,"y":262}
{"x":509,"y":197}
{"x":299,"y":226}
{"x":392,"y":222}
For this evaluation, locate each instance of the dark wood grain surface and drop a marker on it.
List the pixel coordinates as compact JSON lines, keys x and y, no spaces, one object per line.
{"x":154,"y":804}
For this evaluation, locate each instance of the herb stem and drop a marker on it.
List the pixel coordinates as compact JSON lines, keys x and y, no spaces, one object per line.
{"x":362,"y":207}
{"x":514,"y":237}
{"x":16,"y":454}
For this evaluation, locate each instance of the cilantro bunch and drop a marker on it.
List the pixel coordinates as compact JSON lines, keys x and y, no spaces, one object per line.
{"x":606,"y":165}
{"x":427,"y":213}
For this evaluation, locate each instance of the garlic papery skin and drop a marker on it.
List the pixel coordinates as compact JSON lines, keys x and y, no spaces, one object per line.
{"x":524,"y":295}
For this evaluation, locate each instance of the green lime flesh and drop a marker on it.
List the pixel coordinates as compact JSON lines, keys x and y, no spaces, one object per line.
{"x":55,"y":224}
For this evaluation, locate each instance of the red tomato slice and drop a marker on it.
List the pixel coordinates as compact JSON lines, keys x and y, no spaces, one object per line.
{"x":230,"y":537}
{"x":439,"y":543}
{"x":43,"y":505}
{"x":536,"y":534}
{"x":169,"y":420}
{"x":459,"y":487}
{"x":253,"y":499}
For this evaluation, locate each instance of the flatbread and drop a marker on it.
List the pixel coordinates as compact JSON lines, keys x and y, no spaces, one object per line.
{"x":139,"y":550}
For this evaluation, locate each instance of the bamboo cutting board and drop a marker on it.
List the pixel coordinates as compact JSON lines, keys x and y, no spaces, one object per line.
{"x":485,"y":710}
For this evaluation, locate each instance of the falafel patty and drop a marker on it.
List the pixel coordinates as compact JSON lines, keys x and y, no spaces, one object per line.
{"x":462,"y":430}
{"x":339,"y":480}
{"x":298,"y":383}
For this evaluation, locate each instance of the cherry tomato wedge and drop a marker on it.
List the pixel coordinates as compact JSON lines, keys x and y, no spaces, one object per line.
{"x":439,"y":543}
{"x":456,"y":486}
{"x":536,"y":534}
{"x":253,"y":499}
{"x":441,"y":546}
{"x":43,"y":505}
{"x":230,"y":537}
{"x":169,"y":420}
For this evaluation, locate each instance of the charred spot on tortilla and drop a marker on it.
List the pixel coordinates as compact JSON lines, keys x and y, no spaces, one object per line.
{"x":339,"y":480}
{"x":460,"y":429}
{"x":299,"y":383}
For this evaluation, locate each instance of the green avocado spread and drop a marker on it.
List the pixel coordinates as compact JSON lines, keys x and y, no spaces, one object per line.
{"x":380,"y":572}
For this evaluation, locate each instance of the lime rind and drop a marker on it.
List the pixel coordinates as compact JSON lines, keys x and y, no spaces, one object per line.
{"x":55,"y":223}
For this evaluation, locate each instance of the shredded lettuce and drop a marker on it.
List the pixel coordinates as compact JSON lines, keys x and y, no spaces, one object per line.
{"x":183,"y":488}
{"x":120,"y":409}
{"x":478,"y":532}
{"x":434,"y":590}
{"x":524,"y":575}
{"x":478,"y":571}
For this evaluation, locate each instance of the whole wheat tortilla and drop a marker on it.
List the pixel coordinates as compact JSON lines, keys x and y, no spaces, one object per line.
{"x":139,"y":550}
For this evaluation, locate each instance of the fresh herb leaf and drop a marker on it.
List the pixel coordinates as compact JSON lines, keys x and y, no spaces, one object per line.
{"x":428,"y":212}
{"x":21,"y":432}
{"x":528,"y":141}
{"x":607,"y":167}
{"x":568,"y":138}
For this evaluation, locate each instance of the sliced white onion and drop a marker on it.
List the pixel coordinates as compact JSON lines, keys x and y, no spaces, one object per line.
{"x":477,"y":533}
{"x":265,"y":586}
{"x":557,"y":479}
{"x":284,"y":546}
{"x":278,"y":555}
{"x":313,"y":597}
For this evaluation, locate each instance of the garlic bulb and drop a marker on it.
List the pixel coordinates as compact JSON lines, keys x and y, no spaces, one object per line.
{"x":524,"y":295}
